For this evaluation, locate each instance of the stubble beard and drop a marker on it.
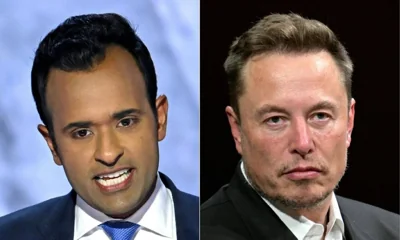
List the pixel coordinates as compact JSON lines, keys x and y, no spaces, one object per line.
{"x":280,"y":199}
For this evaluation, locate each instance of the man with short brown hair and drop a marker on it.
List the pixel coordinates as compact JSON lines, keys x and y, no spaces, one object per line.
{"x":291,"y":117}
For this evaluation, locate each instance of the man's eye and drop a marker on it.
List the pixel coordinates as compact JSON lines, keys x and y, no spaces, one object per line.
{"x":127,"y":122}
{"x":321,"y":116}
{"x":274,"y":120}
{"x":81,"y":133}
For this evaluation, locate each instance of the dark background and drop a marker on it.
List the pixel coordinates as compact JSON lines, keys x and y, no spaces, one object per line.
{"x":370,"y":32}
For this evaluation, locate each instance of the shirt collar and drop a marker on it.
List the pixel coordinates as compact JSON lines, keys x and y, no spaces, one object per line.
{"x":300,"y":227}
{"x":156,"y":215}
{"x":335,"y":218}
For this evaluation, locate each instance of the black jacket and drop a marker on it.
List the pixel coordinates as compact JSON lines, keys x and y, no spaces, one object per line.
{"x":236,"y":211}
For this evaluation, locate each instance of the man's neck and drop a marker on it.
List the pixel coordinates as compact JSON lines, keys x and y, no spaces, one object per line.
{"x":133,"y":211}
{"x":318,"y":214}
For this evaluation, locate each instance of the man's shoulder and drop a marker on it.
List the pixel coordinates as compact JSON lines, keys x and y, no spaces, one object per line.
{"x":219,"y":233}
{"x":369,"y":218}
{"x":31,"y":213}
{"x":187,"y":201}
{"x":183,"y":199}
{"x":360,"y":210}
{"x":217,"y":202}
{"x":27,"y":219}
{"x":218,"y":209}
{"x":219,"y":217}
{"x":190,"y":198}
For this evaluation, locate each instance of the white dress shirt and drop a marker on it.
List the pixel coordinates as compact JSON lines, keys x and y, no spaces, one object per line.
{"x":305,"y":229}
{"x":156,"y":218}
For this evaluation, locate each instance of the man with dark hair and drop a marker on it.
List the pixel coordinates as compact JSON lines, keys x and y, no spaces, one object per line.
{"x":291,"y":117}
{"x":95,"y":89}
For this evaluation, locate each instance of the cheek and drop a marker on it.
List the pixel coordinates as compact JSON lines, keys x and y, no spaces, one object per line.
{"x":141,"y":148}
{"x":263,"y":142}
{"x":263,"y":152}
{"x":137,"y":147}
{"x":76,"y":149}
{"x":340,"y":149}
{"x":333,"y":138}
{"x":333,"y":149}
{"x":76,"y":157}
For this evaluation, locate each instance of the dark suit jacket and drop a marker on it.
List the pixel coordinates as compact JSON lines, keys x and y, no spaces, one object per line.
{"x":237,"y":212}
{"x":54,"y":218}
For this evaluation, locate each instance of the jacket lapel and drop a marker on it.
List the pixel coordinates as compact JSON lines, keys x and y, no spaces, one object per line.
{"x":186,"y":211}
{"x":58,"y":224}
{"x":259,"y":219}
{"x":352,"y":230}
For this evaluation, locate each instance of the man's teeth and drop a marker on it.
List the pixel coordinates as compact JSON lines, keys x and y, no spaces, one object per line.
{"x":113,"y":181}
{"x":114,"y":175}
{"x":114,"y":178}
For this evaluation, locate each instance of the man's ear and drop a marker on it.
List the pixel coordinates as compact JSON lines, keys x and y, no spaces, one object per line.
{"x":162,"y":116}
{"x":350,"y":123}
{"x":235,"y":127}
{"x":44,"y":131}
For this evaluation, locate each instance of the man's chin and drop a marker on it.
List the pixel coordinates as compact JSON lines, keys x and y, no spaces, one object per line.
{"x":121,"y":215}
{"x":119,"y":212}
{"x":301,"y":201}
{"x":118,"y":207}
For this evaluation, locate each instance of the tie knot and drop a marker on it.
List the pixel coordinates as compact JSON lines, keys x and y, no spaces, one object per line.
{"x":120,"y":230}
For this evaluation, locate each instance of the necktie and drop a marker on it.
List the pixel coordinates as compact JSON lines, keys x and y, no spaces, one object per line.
{"x":120,"y":230}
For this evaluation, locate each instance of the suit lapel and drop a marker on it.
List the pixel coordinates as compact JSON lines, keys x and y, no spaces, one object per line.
{"x":259,"y":219}
{"x":58,"y":224}
{"x":352,"y":230}
{"x":186,"y":212}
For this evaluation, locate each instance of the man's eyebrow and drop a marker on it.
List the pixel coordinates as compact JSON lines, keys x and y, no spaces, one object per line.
{"x":126,"y":112}
{"x":116,"y":116}
{"x":324,"y":105}
{"x":268,"y":108}
{"x":80,"y":124}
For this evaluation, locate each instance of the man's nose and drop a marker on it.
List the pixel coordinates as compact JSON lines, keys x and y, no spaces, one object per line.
{"x":108,"y":148}
{"x":301,"y":140}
